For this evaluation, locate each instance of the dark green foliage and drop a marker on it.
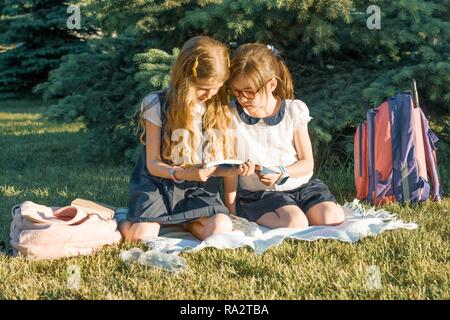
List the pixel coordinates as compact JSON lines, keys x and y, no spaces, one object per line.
{"x":104,"y":85}
{"x":98,"y":86}
{"x":37,"y":37}
{"x":340,"y":67}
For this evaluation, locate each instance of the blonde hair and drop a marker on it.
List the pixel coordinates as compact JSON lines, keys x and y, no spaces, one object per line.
{"x":258,"y":64}
{"x":202,"y":60}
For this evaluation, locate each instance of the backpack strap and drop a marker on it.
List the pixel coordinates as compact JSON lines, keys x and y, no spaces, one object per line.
{"x":371,"y":195}
{"x":429,"y":140}
{"x":406,"y":179}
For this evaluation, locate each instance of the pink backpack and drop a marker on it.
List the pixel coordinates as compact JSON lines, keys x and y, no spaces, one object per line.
{"x":41,"y":232}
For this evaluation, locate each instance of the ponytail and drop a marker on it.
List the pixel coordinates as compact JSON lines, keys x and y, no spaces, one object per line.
{"x":285,"y":87}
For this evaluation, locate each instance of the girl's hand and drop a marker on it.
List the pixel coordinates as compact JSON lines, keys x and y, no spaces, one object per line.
{"x":246,"y":168}
{"x":268,"y":179}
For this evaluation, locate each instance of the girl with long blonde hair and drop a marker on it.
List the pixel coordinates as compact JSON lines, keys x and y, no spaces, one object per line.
{"x":169,"y":185}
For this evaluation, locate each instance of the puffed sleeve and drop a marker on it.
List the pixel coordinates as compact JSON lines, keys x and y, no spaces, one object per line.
{"x":299,"y":114}
{"x":151,"y":109}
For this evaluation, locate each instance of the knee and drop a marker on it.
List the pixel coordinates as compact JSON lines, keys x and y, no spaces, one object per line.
{"x":330,"y":215}
{"x":206,"y":227}
{"x":137,"y":232}
{"x":296,"y":220}
{"x":221,"y":223}
{"x":340,"y":214}
{"x":218,"y":223}
{"x":334,"y":215}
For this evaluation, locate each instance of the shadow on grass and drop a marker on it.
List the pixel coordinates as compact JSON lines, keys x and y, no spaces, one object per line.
{"x":25,"y":106}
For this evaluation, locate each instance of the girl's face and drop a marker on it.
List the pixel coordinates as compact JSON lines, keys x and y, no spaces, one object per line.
{"x":205,"y":91}
{"x":249,"y":98}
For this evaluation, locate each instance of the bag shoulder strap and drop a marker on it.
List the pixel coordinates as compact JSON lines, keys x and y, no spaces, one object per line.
{"x":429,"y":140}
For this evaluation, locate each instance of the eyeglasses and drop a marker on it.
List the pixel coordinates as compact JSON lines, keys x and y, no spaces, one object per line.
{"x":245,"y":93}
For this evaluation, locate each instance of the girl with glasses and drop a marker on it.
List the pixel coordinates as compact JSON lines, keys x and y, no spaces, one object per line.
{"x":272,"y":131}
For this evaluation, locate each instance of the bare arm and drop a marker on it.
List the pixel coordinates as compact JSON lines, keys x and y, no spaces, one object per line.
{"x":152,"y":148}
{"x":158,"y":168}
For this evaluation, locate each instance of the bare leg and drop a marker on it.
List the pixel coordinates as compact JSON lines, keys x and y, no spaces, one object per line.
{"x":135,"y":232}
{"x":325,"y":213}
{"x":204,"y":227}
{"x":289,"y":216}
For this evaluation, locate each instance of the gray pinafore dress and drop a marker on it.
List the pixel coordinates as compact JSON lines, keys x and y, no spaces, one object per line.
{"x":161,"y":200}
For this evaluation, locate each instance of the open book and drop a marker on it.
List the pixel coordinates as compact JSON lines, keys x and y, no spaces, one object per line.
{"x":225,"y":163}
{"x":235,"y":163}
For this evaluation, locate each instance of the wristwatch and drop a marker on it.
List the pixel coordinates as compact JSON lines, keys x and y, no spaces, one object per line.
{"x":172,"y":176}
{"x":283,"y":177}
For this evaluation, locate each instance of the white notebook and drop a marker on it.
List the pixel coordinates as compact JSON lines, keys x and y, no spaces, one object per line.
{"x":228,"y":162}
{"x":232,"y":162}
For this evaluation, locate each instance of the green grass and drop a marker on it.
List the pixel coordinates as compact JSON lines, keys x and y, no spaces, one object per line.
{"x":40,"y":162}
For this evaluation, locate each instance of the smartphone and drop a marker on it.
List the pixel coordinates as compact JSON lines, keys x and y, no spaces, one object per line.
{"x":265,"y":170}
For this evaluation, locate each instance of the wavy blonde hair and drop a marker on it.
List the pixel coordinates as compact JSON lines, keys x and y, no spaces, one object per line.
{"x":212,"y":66}
{"x":258,"y":64}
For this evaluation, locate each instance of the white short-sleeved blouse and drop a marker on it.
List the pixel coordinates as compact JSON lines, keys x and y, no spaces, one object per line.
{"x":153,"y":111}
{"x":270,"y":141}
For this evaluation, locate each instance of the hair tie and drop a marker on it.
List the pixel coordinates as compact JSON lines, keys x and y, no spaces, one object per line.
{"x":194,"y":68}
{"x":275,"y":52}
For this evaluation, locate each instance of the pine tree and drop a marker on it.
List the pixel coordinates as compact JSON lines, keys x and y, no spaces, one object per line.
{"x":340,"y":67}
{"x":108,"y":103}
{"x":306,"y":34}
{"x":98,"y":86}
{"x":104,"y":84}
{"x":373,"y":65}
{"x":38,"y":37}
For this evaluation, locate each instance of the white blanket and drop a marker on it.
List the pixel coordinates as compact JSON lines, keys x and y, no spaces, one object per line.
{"x":359,"y":223}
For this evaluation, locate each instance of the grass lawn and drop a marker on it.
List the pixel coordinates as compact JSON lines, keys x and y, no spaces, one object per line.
{"x":40,"y":162}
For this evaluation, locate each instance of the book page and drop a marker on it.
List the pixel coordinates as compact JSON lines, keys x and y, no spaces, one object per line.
{"x":223,"y":162}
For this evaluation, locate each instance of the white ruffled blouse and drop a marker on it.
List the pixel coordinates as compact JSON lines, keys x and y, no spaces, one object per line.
{"x":270,"y":141}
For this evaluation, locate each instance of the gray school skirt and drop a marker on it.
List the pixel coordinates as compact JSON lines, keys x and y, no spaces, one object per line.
{"x":252,"y":205}
{"x":155,"y":199}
